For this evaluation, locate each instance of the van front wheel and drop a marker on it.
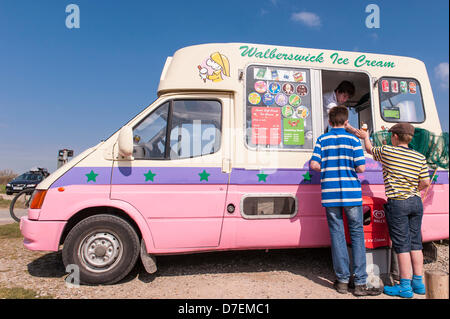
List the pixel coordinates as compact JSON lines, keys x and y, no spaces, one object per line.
{"x":104,"y":247}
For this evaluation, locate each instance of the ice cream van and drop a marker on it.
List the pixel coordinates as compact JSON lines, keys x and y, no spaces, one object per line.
{"x":220,"y":161}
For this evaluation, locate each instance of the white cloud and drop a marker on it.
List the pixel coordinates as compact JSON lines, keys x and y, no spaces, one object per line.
{"x":441,"y":72}
{"x":308,"y":18}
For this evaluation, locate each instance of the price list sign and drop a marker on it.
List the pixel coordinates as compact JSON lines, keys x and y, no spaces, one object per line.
{"x":266,"y":125}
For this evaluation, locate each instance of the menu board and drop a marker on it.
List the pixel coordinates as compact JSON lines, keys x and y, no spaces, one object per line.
{"x":278,"y":107}
{"x":293,"y":132}
{"x":266,"y":128}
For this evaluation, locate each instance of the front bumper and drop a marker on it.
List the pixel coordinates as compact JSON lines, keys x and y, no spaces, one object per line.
{"x":17,"y":189}
{"x":41,"y":235}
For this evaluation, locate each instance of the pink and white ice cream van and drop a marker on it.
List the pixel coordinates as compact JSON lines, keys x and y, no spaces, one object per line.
{"x":220,"y":161}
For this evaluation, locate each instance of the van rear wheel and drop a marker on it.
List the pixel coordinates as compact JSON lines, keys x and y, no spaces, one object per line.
{"x":104,"y":247}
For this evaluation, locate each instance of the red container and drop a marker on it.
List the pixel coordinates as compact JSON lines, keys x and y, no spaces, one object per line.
{"x":376,"y":233}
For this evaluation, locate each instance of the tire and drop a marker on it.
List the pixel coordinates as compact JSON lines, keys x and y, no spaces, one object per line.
{"x":25,"y":200}
{"x":104,"y":247}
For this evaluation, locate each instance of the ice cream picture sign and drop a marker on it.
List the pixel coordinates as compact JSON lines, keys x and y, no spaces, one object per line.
{"x":278,"y":103}
{"x":335,"y":58}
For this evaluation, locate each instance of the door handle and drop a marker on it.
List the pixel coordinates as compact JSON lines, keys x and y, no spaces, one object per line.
{"x":226,"y":165}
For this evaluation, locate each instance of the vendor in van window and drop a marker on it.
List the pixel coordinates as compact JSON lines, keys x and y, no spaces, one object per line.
{"x":339,"y":96}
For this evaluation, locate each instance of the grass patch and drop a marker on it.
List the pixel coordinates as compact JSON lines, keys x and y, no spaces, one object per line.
{"x":10,"y":231}
{"x":20,"y":293}
{"x":4,"y":202}
{"x":2,"y":189}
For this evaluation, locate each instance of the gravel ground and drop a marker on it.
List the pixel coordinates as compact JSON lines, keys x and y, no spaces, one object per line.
{"x":287,"y":274}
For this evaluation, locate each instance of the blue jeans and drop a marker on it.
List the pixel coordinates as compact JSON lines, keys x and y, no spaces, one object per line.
{"x":339,"y":251}
{"x":404,"y":219}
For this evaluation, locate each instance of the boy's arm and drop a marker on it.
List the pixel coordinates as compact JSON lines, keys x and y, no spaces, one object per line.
{"x":362,"y":135}
{"x":360,"y":161}
{"x":360,"y":168}
{"x":367,"y":144}
{"x":424,"y":177}
{"x":424,"y":183}
{"x":316,"y":159}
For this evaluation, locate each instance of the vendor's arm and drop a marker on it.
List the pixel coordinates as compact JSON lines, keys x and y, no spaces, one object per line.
{"x":329,"y":106}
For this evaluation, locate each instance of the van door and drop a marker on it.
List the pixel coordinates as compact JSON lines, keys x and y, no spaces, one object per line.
{"x":279,"y":202}
{"x":177,"y":180}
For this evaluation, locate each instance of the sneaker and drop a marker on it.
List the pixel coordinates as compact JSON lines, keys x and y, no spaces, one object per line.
{"x":341,"y":287}
{"x":398,"y":290}
{"x":363,"y":290}
{"x":418,"y":287}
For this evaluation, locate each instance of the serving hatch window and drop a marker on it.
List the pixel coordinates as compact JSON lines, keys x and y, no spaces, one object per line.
{"x":278,"y":107}
{"x":401,"y":100}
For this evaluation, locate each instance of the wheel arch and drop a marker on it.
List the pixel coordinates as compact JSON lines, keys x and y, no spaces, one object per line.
{"x":134,"y":218}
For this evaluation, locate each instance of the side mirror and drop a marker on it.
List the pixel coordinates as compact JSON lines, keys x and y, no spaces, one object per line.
{"x":125,"y":142}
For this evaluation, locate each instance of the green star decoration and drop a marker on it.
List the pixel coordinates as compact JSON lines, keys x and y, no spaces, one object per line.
{"x":149,"y":176}
{"x":262,"y":177}
{"x":307,"y":176}
{"x":204,"y":176}
{"x":91,"y":177}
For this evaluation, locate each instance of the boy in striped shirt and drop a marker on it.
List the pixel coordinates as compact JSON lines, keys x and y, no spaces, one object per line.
{"x":405,"y":174}
{"x":338,"y":156}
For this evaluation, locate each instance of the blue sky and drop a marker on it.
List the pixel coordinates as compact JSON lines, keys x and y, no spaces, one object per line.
{"x":70,"y":88}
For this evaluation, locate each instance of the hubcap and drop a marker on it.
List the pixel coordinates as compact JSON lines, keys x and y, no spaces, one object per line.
{"x":100,"y":251}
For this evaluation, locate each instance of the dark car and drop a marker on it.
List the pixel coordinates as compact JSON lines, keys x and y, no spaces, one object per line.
{"x":29,"y":179}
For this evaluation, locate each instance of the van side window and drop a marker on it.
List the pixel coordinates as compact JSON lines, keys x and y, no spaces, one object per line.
{"x":401,"y":100}
{"x":195,"y":128}
{"x":150,"y":135}
{"x":278,"y":108}
{"x":266,"y":206}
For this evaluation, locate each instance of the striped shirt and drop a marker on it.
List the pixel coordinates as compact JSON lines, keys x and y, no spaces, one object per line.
{"x":403,"y":168}
{"x":339,"y":153}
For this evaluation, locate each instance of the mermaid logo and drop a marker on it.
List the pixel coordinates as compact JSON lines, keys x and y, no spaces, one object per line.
{"x":214,"y":68}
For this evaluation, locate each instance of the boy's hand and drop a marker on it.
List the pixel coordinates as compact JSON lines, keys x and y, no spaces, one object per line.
{"x":315,"y":166}
{"x":361,"y":134}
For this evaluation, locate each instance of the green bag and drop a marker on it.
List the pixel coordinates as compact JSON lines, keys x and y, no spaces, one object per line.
{"x":433,"y":147}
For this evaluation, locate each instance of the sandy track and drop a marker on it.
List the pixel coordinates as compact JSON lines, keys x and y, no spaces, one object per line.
{"x":293,"y":273}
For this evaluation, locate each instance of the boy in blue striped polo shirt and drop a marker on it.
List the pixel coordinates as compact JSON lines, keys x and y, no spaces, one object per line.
{"x":338,"y":156}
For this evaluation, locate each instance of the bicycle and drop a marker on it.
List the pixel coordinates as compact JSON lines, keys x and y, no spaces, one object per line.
{"x":21,"y":201}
